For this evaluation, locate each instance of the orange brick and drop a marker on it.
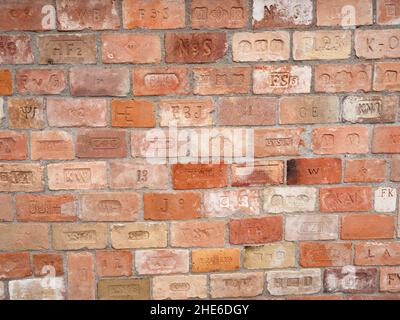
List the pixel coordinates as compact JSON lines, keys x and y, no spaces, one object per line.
{"x":130,"y":48}
{"x":51,"y":145}
{"x":81,"y":276}
{"x":377,"y":44}
{"x":365,"y":170}
{"x":15,"y":265}
{"x":16,"y":49}
{"x":214,"y":260}
{"x":26,"y":113}
{"x":7,"y":207}
{"x":199,"y":176}
{"x":133,"y":114}
{"x":6,"y":83}
{"x":114,"y":263}
{"x":339,"y":199}
{"x":320,"y":254}
{"x":13,"y":145}
{"x":340,"y":139}
{"x":256,"y":230}
{"x":386,"y":76}
{"x":162,"y":261}
{"x":388,"y":12}
{"x":367,"y":226}
{"x":314,"y":171}
{"x":48,"y":264}
{"x":198,"y":234}
{"x":40,"y":81}
{"x":386,"y":139}
{"x":277,"y":142}
{"x":171,"y":206}
{"x":377,"y":253}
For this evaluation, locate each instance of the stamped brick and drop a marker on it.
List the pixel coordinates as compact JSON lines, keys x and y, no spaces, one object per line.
{"x":137,"y":175}
{"x":124,"y":289}
{"x":277,"y":142}
{"x":15,"y":265}
{"x":7,"y":207}
{"x":198,"y":234}
{"x":258,"y":173}
{"x":215,"y":260}
{"x":370,"y":108}
{"x":133,"y":113}
{"x":377,"y":253}
{"x":171,"y":206}
{"x":72,"y":236}
{"x":377,"y":44}
{"x":289,"y":199}
{"x":344,"y":13}
{"x":40,"y":81}
{"x":367,"y":226}
{"x":43,"y":208}
{"x":221,"y":80}
{"x":395,"y":170}
{"x":390,"y":279}
{"x":309,"y":109}
{"x":46,"y":264}
{"x":139,"y":235}
{"x":87,"y":15}
{"x":81,"y":276}
{"x":186,"y":112}
{"x":158,"y":81}
{"x":180,"y":287}
{"x":323,"y":45}
{"x":99,"y":81}
{"x":294,"y":282}
{"x":24,"y":236}
{"x":51,"y":145}
{"x":347,"y":199}
{"x":162,"y":261}
{"x":199,"y":176}
{"x":130,"y":48}
{"x":110,"y":206}
{"x":388,"y":12}
{"x":270,"y":256}
{"x":386,"y":76}
{"x":256,"y":230}
{"x":114,"y":263}
{"x":26,"y":113}
{"x":153,"y":14}
{"x":311,"y":227}
{"x":343,"y":77}
{"x":247,"y":111}
{"x":320,"y":254}
{"x":16,"y":49}
{"x":235,"y":285}
{"x":77,"y":112}
{"x":6,"y":82}
{"x":365,"y":170}
{"x":385,"y":199}
{"x":215,"y":14}
{"x":37,"y":289}
{"x":282,"y":14}
{"x":386,"y":139}
{"x":281,"y":79}
{"x":77,"y":175}
{"x":2,"y":291}
{"x":67,"y":48}
{"x":261,"y":46}
{"x":13,"y":145}
{"x":25,"y":177}
{"x":350,"y":279}
{"x":314,"y":171}
{"x":195,"y":47}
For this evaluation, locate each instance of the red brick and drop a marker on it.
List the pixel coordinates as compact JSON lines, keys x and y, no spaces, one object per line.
{"x":101,"y":143}
{"x":48,"y":264}
{"x":27,"y":15}
{"x":78,"y":112}
{"x":343,"y":77}
{"x":43,"y":208}
{"x":40,"y":81}
{"x":153,"y":14}
{"x":395,"y":169}
{"x":80,"y":15}
{"x":15,"y":265}
{"x":377,"y":253}
{"x":114,"y":263}
{"x":6,"y":82}
{"x":130,"y":48}
{"x":133,"y":113}
{"x":320,"y":254}
{"x":390,"y":279}
{"x":159,"y":81}
{"x":256,"y":230}
{"x":350,"y":279}
{"x":99,"y":81}
{"x":13,"y":145}
{"x":215,"y":14}
{"x":388,"y":12}
{"x":258,"y":173}
{"x":367,"y":226}
{"x":365,"y":170}
{"x":198,"y":234}
{"x":24,"y":236}
{"x":51,"y":145}
{"x":215,"y":260}
{"x":386,"y":139}
{"x":162,"y":261}
{"x":221,"y":80}
{"x":199,"y":176}
{"x":16,"y":49}
{"x":7,"y":207}
{"x":81,"y":276}
{"x":314,"y":171}
{"x":348,"y":199}
{"x":386,"y":76}
{"x":377,"y":44}
{"x":277,"y":142}
{"x":171,"y":206}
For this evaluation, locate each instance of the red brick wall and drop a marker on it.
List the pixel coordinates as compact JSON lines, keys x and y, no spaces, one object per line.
{"x":85,"y":213}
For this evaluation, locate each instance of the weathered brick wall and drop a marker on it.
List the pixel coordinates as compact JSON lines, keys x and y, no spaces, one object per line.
{"x":86,"y":214}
